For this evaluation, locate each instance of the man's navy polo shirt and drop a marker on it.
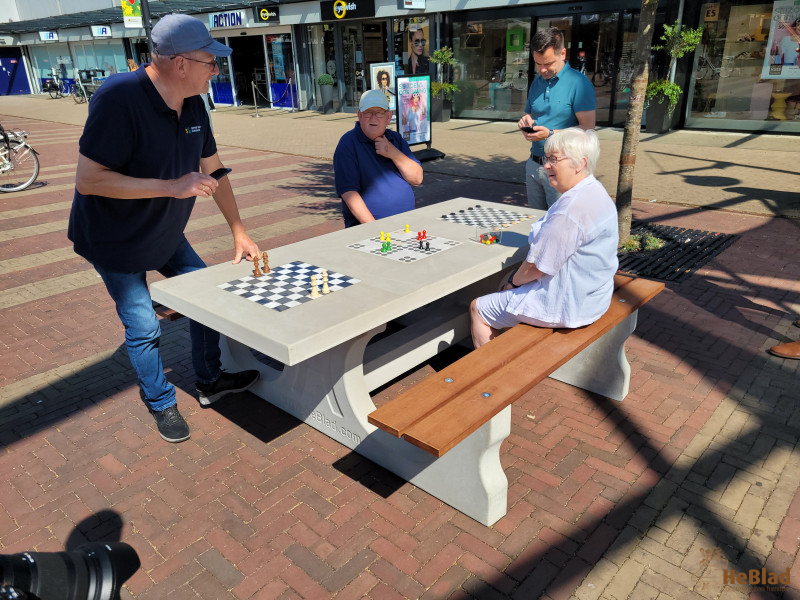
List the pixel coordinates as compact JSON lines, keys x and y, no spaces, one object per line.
{"x":358,"y":168}
{"x":553,"y":102}
{"x":132,"y":131}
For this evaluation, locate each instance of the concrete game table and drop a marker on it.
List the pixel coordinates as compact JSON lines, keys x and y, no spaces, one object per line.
{"x":329,"y":361}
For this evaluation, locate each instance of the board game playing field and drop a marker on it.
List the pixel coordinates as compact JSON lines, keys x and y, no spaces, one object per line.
{"x":405,"y":246}
{"x":485,"y":216}
{"x":286,"y":286}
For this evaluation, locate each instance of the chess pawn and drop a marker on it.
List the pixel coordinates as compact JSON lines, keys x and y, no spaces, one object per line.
{"x":407,"y":229}
{"x":314,"y":290}
{"x":265,"y":258}
{"x":256,"y":270}
{"x":383,"y":236}
{"x":325,"y":288}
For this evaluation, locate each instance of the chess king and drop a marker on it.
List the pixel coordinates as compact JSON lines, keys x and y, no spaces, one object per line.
{"x":133,"y":199}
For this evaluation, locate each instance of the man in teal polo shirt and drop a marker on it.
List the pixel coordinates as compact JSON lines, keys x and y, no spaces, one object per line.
{"x":560,"y":97}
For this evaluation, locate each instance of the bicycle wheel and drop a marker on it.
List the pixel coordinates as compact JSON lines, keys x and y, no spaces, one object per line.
{"x":598,"y":78}
{"x":77,"y":94}
{"x":54,"y":91}
{"x":19,"y":168}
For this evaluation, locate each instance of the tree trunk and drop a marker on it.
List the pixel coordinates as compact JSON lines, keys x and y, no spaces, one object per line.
{"x":633,"y":121}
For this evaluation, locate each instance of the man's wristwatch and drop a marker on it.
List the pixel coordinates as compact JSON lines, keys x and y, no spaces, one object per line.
{"x":551,"y":133}
{"x":511,"y":280}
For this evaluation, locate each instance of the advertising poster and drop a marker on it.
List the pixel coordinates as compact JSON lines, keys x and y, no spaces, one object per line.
{"x":131,"y":13}
{"x":782,"y":57}
{"x":417,"y":55}
{"x":413,"y":100}
{"x":382,"y":78}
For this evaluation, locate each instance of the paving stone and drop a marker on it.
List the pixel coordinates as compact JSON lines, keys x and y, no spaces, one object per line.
{"x":634,"y":488}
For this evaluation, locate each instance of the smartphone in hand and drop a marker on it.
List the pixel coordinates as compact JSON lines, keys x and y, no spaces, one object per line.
{"x":526,"y":129}
{"x":220,"y":173}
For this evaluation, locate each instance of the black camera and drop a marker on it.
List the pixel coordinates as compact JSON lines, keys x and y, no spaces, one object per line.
{"x":90,"y":572}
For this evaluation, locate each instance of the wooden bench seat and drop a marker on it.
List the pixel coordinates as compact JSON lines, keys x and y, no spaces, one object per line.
{"x":446,"y":407}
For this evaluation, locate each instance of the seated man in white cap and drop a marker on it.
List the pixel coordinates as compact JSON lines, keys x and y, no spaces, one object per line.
{"x":374,"y":166}
{"x":147,"y":151}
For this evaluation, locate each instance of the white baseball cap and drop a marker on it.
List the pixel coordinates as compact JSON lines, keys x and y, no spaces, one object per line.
{"x":373,"y":99}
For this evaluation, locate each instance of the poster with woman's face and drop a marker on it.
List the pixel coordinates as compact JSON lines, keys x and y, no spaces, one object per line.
{"x":413,"y":94}
{"x":382,"y":78}
{"x":782,"y":60}
{"x":418,"y":48}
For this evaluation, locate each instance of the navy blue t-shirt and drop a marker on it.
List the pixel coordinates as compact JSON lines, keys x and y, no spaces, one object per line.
{"x":358,"y":168}
{"x":131,"y":130}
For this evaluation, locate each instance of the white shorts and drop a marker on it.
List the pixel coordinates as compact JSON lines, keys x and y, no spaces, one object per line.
{"x":493,"y":310}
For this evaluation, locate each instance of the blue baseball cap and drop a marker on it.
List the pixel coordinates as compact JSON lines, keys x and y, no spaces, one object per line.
{"x":177,"y":33}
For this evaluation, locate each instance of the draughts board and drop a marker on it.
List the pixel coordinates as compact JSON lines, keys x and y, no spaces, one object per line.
{"x":485,"y":217}
{"x":405,"y":246}
{"x":286,"y":286}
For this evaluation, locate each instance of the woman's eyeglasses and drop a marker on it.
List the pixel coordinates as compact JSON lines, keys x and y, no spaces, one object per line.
{"x":420,"y":42}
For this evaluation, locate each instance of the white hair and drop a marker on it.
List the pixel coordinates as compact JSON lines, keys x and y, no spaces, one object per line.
{"x":575,"y":144}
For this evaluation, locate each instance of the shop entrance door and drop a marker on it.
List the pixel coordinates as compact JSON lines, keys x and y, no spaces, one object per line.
{"x":602,"y":46}
{"x":353,"y":67}
{"x":362,"y":43}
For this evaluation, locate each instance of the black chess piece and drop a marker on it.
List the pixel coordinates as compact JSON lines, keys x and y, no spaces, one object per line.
{"x":427,"y":246}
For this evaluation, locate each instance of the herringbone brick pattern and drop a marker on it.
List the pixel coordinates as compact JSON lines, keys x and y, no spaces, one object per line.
{"x":606,"y":499}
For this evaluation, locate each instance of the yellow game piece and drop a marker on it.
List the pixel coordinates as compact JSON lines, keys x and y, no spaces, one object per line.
{"x":388,"y":237}
{"x":407,"y":229}
{"x":383,"y":236}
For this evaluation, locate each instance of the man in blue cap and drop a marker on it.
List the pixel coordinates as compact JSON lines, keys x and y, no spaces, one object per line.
{"x":373,"y":166}
{"x":145,"y":154}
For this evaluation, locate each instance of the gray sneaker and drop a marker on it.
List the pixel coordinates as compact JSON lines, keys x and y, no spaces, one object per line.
{"x":226,"y":384}
{"x":170,"y":424}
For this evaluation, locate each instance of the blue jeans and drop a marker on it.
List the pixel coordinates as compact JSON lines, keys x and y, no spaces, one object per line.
{"x":541,"y":194}
{"x":135,"y":309}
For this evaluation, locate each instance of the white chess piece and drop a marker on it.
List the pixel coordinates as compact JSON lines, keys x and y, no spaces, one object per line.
{"x":325,"y":288}
{"x":314,"y":290}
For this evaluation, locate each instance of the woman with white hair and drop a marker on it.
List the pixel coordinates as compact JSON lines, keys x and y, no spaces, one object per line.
{"x":567,"y":279}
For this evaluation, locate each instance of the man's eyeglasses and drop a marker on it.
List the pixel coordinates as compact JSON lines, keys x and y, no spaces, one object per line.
{"x":553,"y":159}
{"x":420,"y":42}
{"x":379,"y":113}
{"x":211,"y":64}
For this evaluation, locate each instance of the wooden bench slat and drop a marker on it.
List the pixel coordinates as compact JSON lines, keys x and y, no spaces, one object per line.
{"x":402,"y":412}
{"x":449,"y":423}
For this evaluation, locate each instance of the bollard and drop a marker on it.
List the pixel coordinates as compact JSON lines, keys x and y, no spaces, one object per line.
{"x":255,"y":100}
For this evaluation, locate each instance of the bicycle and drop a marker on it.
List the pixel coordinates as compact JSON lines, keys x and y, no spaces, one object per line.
{"x":55,"y":86}
{"x":706,"y":67}
{"x":19,"y":162}
{"x":604,"y":73}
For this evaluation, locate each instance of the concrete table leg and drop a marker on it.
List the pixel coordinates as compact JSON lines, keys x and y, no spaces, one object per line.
{"x":328,"y":392}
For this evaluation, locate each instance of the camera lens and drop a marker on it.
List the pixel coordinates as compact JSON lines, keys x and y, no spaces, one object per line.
{"x":91,"y":572}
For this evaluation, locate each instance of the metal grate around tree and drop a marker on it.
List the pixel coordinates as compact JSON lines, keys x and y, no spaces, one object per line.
{"x":685,"y":251}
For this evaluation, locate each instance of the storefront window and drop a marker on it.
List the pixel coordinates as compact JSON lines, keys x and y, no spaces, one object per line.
{"x":281,"y":70}
{"x":51,"y":57}
{"x":745,"y":71}
{"x":108,"y":56}
{"x":491,"y":68}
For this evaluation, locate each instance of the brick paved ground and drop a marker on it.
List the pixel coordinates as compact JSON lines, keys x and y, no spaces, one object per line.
{"x":606,"y":500}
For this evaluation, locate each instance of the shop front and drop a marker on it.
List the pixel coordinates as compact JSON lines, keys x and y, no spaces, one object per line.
{"x":261,"y":68}
{"x":494,"y":68}
{"x":345,"y":45}
{"x":746,"y":74}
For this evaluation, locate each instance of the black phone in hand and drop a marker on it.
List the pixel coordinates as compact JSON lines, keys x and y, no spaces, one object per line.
{"x":526,"y":129}
{"x":220,"y":173}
